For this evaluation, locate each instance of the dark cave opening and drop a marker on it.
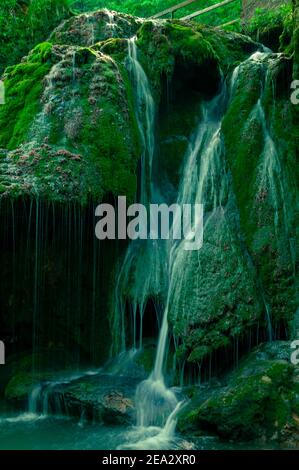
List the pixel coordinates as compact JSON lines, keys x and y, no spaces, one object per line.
{"x":54,"y":282}
{"x":189,"y":78}
{"x":225,"y":359}
{"x":143,"y":327}
{"x":189,"y":82}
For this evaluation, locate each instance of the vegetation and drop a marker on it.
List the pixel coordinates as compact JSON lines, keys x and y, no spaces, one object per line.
{"x":273,"y":27}
{"x":146,"y":8}
{"x":30,"y":22}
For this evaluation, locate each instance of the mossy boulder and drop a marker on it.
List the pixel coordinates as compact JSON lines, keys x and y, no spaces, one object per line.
{"x":102,"y":398}
{"x":106,"y":396}
{"x":258,"y":400}
{"x":73,"y":136}
{"x":24,"y":372}
{"x":219,"y":300}
{"x":171,"y":45}
{"x":266,"y":160}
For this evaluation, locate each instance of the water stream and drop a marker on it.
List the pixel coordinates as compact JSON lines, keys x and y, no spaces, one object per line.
{"x":158,"y":405}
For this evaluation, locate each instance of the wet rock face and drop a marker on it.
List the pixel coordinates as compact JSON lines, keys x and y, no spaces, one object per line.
{"x":269,"y":22}
{"x":266,"y":160}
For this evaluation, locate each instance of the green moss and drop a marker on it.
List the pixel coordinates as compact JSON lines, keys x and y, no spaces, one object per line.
{"x":19,"y":386}
{"x":23,"y":87}
{"x":114,"y":47}
{"x":192,"y":45}
{"x":262,"y":200}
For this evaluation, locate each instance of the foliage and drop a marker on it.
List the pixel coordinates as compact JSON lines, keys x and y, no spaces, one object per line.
{"x":273,"y":27}
{"x":25,"y":23}
{"x":146,"y":8}
{"x":264,"y":17}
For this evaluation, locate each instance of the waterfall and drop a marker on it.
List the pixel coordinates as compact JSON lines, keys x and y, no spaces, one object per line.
{"x":34,"y":398}
{"x":111,"y":25}
{"x":205,"y":180}
{"x":157,"y":405}
{"x":146,"y":120}
{"x":140,"y":253}
{"x":155,"y":402}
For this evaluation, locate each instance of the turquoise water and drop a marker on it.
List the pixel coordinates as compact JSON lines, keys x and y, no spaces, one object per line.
{"x":32,"y":432}
{"x":29,"y":432}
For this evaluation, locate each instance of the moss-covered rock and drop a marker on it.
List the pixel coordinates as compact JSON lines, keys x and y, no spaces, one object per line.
{"x":295,"y":39}
{"x":23,"y":89}
{"x":219,"y":300}
{"x":24,"y":372}
{"x":265,"y":159}
{"x":103,"y":396}
{"x":169,"y":44}
{"x":77,"y":122}
{"x":89,"y":28}
{"x":258,"y":400}
{"x":70,"y":103}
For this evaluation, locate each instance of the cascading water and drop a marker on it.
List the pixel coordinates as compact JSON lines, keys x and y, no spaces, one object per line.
{"x":111,"y":25}
{"x":140,"y":252}
{"x":157,"y":405}
{"x":204,"y":181}
{"x":271,"y":177}
{"x":146,"y":120}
